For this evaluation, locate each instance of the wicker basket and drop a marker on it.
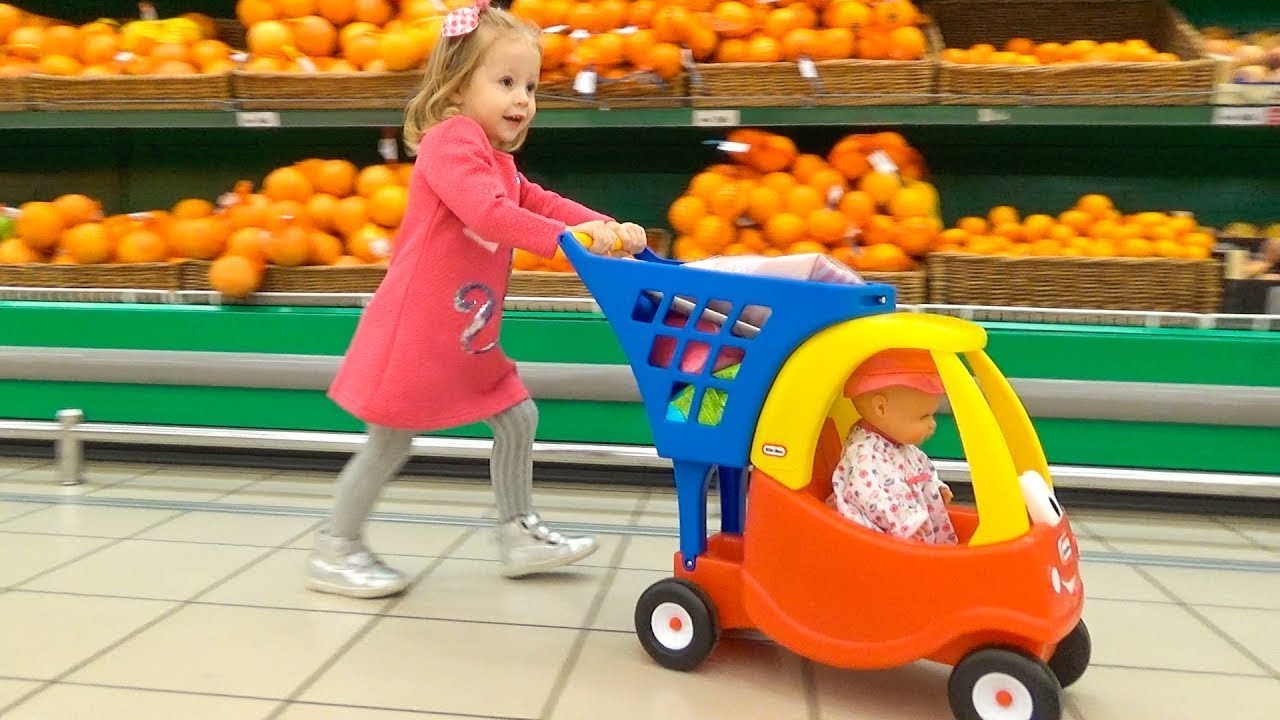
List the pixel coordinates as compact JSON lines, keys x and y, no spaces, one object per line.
{"x":139,"y":276}
{"x":1150,"y":284}
{"x":964,"y":23}
{"x":637,"y":90}
{"x":231,"y":32}
{"x":130,"y":92}
{"x":910,"y":285}
{"x":330,"y":91}
{"x":354,"y":279}
{"x":13,"y":94}
{"x":841,"y":83}
{"x":541,"y":284}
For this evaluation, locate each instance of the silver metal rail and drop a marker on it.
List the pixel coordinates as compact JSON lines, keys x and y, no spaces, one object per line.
{"x":70,"y":434}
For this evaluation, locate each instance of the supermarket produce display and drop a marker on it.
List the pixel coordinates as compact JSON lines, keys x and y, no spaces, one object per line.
{"x":1072,"y":154}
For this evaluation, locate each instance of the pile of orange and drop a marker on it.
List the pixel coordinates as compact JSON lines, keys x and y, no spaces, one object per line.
{"x":178,"y":46}
{"x":316,"y":212}
{"x":1025,"y":51}
{"x":341,"y":35}
{"x":616,"y":37}
{"x":776,"y":201}
{"x":1092,"y":228}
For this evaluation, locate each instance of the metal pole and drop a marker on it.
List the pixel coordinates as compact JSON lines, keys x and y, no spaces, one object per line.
{"x":67,"y":449}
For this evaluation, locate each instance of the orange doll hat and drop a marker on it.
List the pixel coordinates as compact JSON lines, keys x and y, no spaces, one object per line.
{"x":891,"y":368}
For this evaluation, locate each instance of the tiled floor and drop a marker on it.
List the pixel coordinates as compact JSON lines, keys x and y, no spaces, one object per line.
{"x":166,"y":592}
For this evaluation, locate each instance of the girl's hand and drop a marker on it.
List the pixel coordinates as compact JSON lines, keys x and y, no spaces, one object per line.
{"x":603,"y":239}
{"x":633,"y":237}
{"x":947,"y":495}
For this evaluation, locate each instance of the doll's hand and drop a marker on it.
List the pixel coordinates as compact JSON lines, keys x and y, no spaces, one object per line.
{"x":947,"y":495}
{"x":632,"y":235}
{"x":603,"y":239}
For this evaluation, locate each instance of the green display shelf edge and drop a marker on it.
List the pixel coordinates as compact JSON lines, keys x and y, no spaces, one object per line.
{"x":1026,"y":350}
{"x":916,"y":115}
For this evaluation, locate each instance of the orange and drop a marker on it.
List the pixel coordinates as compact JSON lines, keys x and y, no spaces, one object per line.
{"x":1002,"y":214}
{"x":60,"y":40}
{"x":377,"y":12}
{"x":288,"y":248}
{"x":752,"y":239}
{"x":640,"y":13}
{"x":849,"y":158}
{"x":288,"y":183}
{"x":729,"y":202}
{"x":779,"y":22}
{"x":235,"y":276}
{"x":373,"y":177}
{"x":142,"y":246}
{"x":76,"y":209}
{"x":16,"y":252}
{"x":685,"y":213}
{"x":884,"y":258}
{"x":784,"y":229}
{"x":636,"y":47}
{"x":334,"y":177}
{"x":174,"y":67}
{"x":712,"y":233}
{"x":295,"y":8}
{"x":911,"y":201}
{"x":906,"y":43}
{"x":40,"y":225}
{"x":664,"y":60}
{"x":857,"y":206}
{"x":798,"y":43}
{"x":1038,"y":226}
{"x":827,"y":226}
{"x":779,"y":182}
{"x":953,"y":237}
{"x":805,"y":166}
{"x":320,"y":210}
{"x":916,"y":235}
{"x":248,"y":243}
{"x":98,"y":49}
{"x":804,"y":199}
{"x":845,"y":14}
{"x":400,"y":51}
{"x":805,"y":247}
{"x":350,"y":214}
{"x":895,"y":13}
{"x":58,"y":65}
{"x":732,"y":50}
{"x":269,"y":38}
{"x":973,"y":225}
{"x":705,"y":184}
{"x":88,"y":243}
{"x":1136,"y":247}
{"x":827,"y":181}
{"x":199,"y":238}
{"x":10,"y":19}
{"x":315,"y":36}
{"x":362,"y":49}
{"x":670,"y":24}
{"x":1010,"y":231}
{"x":1078,"y":220}
{"x":1020,"y":45}
{"x":1096,"y":205}
{"x":880,"y":186}
{"x":733,"y":19}
{"x":879,"y":229}
{"x":348,"y":261}
{"x":338,"y":12}
{"x":763,"y":203}
{"x":387,"y":205}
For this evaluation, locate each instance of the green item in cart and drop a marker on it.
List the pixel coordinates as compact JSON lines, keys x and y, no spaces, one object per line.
{"x":8,"y":228}
{"x":713,"y":400}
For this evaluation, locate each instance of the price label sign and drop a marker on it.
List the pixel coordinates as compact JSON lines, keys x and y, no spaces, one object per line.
{"x":717,"y":118}
{"x":258,"y":119}
{"x":987,"y":115}
{"x":1240,"y":116}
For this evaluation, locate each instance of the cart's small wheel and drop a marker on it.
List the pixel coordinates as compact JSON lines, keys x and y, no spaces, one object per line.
{"x":1071,"y":658}
{"x":676,"y":623}
{"x":998,"y":684}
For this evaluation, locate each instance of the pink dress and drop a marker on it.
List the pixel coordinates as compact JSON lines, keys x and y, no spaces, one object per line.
{"x":425,"y":355}
{"x":890,"y":487}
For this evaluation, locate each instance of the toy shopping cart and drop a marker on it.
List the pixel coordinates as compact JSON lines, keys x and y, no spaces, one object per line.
{"x":743,"y":374}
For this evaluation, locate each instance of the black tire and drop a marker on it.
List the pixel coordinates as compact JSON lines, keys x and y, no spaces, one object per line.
{"x":1071,"y":658}
{"x":998,"y":684}
{"x":679,"y":648}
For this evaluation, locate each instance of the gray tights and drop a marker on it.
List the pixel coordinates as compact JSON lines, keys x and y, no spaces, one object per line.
{"x":510,"y":469}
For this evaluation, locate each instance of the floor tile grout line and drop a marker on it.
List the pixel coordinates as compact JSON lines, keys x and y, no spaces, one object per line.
{"x":809,"y":681}
{"x":108,"y":486}
{"x":1210,"y":625}
{"x":1247,"y":537}
{"x":364,"y":630}
{"x":570,"y":663}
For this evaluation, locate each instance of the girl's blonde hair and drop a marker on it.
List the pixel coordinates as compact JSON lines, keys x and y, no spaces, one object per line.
{"x":450,"y":67}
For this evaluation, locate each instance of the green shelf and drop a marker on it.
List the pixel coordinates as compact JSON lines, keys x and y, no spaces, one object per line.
{"x":951,"y":115}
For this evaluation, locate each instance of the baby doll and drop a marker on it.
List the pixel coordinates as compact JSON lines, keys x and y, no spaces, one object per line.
{"x":884,"y":481}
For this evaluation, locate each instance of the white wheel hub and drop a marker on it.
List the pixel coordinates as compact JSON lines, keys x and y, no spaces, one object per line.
{"x":997,"y":696}
{"x":672,"y":626}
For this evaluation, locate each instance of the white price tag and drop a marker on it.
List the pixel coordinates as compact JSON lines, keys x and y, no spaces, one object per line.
{"x":1240,"y":116}
{"x":733,"y":147}
{"x":686,"y":57}
{"x":808,"y":69}
{"x":986,"y":115}
{"x":834,"y":194}
{"x":584,"y":83}
{"x":307,"y":64}
{"x":555,"y":29}
{"x":882,"y":163}
{"x":580,"y":34}
{"x":389,"y":149}
{"x":258,"y":119}
{"x":12,"y":213}
{"x":717,"y":118}
{"x":745,"y":222}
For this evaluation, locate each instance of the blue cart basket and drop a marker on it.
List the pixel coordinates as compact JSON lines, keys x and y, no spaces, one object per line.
{"x":651,"y":300}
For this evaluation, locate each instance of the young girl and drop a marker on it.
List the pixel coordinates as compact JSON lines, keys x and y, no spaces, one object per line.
{"x":426,"y":355}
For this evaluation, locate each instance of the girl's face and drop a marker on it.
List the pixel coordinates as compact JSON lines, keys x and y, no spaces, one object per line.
{"x":499,"y":95}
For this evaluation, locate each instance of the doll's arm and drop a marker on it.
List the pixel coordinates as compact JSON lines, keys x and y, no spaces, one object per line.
{"x":549,"y":204}
{"x":459,"y":168}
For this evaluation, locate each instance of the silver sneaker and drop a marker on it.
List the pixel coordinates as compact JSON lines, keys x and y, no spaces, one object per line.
{"x":526,"y":546}
{"x":346,"y":567}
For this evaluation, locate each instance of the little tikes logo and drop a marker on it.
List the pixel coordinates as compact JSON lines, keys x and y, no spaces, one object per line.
{"x":772,"y":450}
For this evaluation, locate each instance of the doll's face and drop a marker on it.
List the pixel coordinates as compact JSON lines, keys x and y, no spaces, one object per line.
{"x":903,"y":414}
